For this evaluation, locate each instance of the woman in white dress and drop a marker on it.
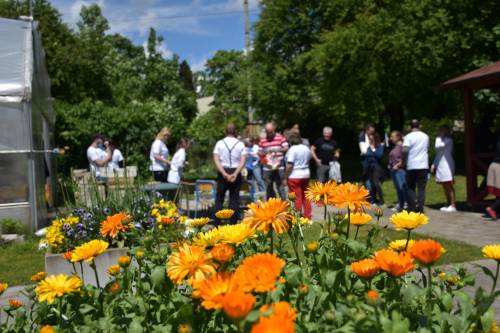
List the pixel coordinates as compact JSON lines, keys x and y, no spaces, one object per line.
{"x":159,"y":156}
{"x":444,"y":167}
{"x":116,"y":161}
{"x":178,"y":162}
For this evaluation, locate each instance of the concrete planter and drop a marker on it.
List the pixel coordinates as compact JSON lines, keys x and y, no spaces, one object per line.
{"x":56,"y":264}
{"x":12,"y":238}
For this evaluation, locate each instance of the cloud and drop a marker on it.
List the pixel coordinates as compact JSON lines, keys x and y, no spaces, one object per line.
{"x":161,"y":48}
{"x":198,"y":65}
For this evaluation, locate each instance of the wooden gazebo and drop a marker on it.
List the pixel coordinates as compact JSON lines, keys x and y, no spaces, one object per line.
{"x":476,"y":162}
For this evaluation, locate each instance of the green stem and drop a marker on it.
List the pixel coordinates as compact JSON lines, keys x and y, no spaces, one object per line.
{"x":429,"y":295}
{"x":324,"y":214}
{"x":407,"y":239}
{"x":271,"y":239}
{"x":348,"y":220}
{"x":92,"y":264}
{"x":357,"y":230}
{"x":496,"y":277}
{"x":294,"y":245}
{"x":81,"y":270}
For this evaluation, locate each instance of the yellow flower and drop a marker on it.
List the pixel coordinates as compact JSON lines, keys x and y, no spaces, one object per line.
{"x":124,"y":261}
{"x":494,"y":328}
{"x":408,"y":221}
{"x":14,"y":303}
{"x":155,"y":212}
{"x":113,"y":270}
{"x":350,"y":195}
{"x":3,"y":287}
{"x":184,"y":328}
{"x":492,"y":251}
{"x":38,"y":276}
{"x":89,"y":251}
{"x":302,"y":220}
{"x":359,"y":218}
{"x":270,"y":214}
{"x":224,"y":214}
{"x":183,"y":219}
{"x":229,"y":234}
{"x":190,"y":262}
{"x":199,"y":222}
{"x":57,"y":286}
{"x":139,"y":254}
{"x":320,"y":193}
{"x":399,"y":244}
{"x":312,"y":246}
{"x":47,"y":329}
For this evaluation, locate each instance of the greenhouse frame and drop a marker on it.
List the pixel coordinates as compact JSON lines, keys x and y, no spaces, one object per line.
{"x":26,"y":125}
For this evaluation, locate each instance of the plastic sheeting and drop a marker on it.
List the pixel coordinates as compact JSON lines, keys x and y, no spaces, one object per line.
{"x":16,"y":61}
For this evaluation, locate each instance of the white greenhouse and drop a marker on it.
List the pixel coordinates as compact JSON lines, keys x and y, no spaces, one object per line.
{"x":26,"y":125}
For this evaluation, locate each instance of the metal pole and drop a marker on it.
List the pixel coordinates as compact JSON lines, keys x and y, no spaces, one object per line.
{"x":31,"y":8}
{"x":247,"y":51}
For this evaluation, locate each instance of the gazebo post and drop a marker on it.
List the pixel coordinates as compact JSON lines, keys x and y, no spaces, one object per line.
{"x":469,"y":144}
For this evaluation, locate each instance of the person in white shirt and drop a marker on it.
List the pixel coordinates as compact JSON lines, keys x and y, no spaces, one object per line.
{"x":116,"y":161}
{"x":444,"y":167}
{"x":364,"y":144}
{"x":97,"y":155}
{"x":416,"y":157}
{"x":297,"y":172}
{"x":159,"y":156}
{"x":178,"y":161}
{"x":229,"y":157}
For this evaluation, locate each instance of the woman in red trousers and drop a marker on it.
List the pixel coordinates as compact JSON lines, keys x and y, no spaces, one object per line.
{"x":297,"y":172}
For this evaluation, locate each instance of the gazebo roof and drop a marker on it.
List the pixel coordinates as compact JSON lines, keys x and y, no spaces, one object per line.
{"x":481,"y":78}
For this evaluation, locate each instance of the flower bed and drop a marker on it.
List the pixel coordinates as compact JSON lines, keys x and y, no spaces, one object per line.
{"x":258,"y":276}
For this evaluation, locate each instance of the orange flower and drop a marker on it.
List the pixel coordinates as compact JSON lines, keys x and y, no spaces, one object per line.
{"x":189,"y":262}
{"x":222,"y":252}
{"x":372,"y":295}
{"x":124,"y":261}
{"x":67,"y":255}
{"x":237,"y":304}
{"x":280,"y":309}
{"x":270,"y":214}
{"x":396,"y":264}
{"x":213,"y":289}
{"x":273,"y":324}
{"x":47,"y":329}
{"x":115,"y":287}
{"x":350,"y":195}
{"x":114,"y":224}
{"x":365,"y":268}
{"x":14,"y":303}
{"x":184,"y":328}
{"x":165,"y":220}
{"x":426,"y":252}
{"x":303,"y":288}
{"x":259,"y":272}
{"x":320,"y":193}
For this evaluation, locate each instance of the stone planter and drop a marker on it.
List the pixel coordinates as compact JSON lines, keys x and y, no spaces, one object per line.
{"x":56,"y":264}
{"x":8,"y":238}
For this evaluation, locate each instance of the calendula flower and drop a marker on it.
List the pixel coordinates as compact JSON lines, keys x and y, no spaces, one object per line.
{"x":124,"y":261}
{"x":372,"y":295}
{"x":139,"y":254}
{"x":183,"y":219}
{"x":400,"y":244}
{"x":237,"y":304}
{"x":312,"y":246}
{"x":228,"y":234}
{"x":191,"y":262}
{"x":494,"y":328}
{"x":199,"y":222}
{"x":14,"y":303}
{"x":365,"y":268}
{"x":426,"y":252}
{"x":3,"y":287}
{"x":89,"y":251}
{"x":67,"y":255}
{"x":395,"y":264}
{"x":165,"y":220}
{"x":302,"y":220}
{"x":442,"y":275}
{"x":378,"y":212}
{"x":38,"y":276}
{"x":57,"y":286}
{"x":359,"y":218}
{"x":270,"y":214}
{"x":259,"y":272}
{"x":47,"y":329}
{"x":113,"y":270}
{"x":274,"y":324}
{"x":408,"y":221}
{"x":212,"y":289}
{"x":280,"y":309}
{"x":350,"y":195}
{"x":224,"y":214}
{"x":222,"y":252}
{"x":114,"y":224}
{"x":452,"y":279}
{"x":492,"y":251}
{"x":292,"y":196}
{"x":115,"y":287}
{"x":185,"y":328}
{"x":320,"y":193}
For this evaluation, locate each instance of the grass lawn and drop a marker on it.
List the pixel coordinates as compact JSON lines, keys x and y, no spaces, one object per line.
{"x":19,"y":261}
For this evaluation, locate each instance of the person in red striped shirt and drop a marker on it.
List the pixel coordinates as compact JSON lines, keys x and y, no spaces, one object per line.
{"x":272,"y":152}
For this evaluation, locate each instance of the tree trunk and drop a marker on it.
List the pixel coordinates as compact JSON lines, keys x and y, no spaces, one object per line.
{"x":396,"y":116}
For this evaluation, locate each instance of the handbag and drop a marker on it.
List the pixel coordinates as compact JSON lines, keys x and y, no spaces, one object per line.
{"x":334,"y":173}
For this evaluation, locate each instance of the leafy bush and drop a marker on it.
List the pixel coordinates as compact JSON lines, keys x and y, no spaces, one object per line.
{"x":11,"y":226}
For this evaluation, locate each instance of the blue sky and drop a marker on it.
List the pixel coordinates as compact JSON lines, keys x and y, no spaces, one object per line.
{"x":193,"y":29}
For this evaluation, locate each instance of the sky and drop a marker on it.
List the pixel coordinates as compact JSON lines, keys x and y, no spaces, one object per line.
{"x":192,"y":29}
